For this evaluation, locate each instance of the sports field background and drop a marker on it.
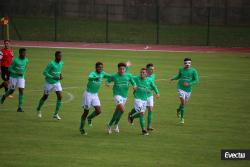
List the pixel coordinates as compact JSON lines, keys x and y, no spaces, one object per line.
{"x":86,"y":30}
{"x":217,"y":116}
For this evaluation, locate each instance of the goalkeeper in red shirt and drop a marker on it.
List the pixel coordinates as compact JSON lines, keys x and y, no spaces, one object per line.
{"x":7,"y":56}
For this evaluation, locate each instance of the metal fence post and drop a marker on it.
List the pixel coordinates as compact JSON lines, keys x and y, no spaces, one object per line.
{"x":157,"y":22}
{"x":55,"y":19}
{"x":107,"y":24}
{"x":208,"y":25}
{"x":12,"y":23}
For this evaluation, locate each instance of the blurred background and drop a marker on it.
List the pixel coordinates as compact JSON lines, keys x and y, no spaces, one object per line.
{"x":173,"y":22}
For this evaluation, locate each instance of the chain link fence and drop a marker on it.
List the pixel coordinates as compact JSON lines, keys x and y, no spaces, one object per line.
{"x":148,"y":24}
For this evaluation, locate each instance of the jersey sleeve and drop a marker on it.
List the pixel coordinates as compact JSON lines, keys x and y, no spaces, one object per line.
{"x":195,"y":78}
{"x":106,"y":75}
{"x":11,"y":68}
{"x":91,"y":76}
{"x":131,"y":80}
{"x":178,"y":76}
{"x":154,"y":87}
{"x":110,"y":79}
{"x":46,"y":71}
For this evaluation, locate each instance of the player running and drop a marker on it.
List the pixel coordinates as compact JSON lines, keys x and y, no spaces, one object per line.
{"x":90,"y":96}
{"x":53,"y":76}
{"x":187,"y":77}
{"x":150,"y":98}
{"x":17,"y":71}
{"x":144,"y":86}
{"x":120,"y":92}
{"x":7,"y":56}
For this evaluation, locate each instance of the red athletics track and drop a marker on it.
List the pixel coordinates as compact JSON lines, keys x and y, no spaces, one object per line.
{"x":129,"y":47}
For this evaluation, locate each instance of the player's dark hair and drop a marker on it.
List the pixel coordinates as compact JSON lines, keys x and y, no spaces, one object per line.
{"x":122,"y":65}
{"x":57,"y":53}
{"x":149,"y":65}
{"x":187,"y":59}
{"x":21,"y":50}
{"x":142,"y":69}
{"x":98,"y":64}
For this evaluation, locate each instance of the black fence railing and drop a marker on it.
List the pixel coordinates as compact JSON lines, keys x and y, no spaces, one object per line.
{"x":149,"y":24}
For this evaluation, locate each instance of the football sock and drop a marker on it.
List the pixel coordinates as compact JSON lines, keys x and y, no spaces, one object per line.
{"x":20,"y":101}
{"x":142,"y":121}
{"x":83,"y":118}
{"x":10,"y":91}
{"x":41,"y":102}
{"x":133,"y":111}
{"x":181,"y":109}
{"x":113,"y":118}
{"x":119,"y":115}
{"x":136,"y":115}
{"x":150,"y":117}
{"x":58,"y":105}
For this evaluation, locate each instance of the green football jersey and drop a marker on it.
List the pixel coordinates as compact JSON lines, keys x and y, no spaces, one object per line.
{"x":95,"y":80}
{"x":152,"y":78}
{"x":121,"y":84}
{"x":18,"y":66}
{"x":53,"y":69}
{"x":144,"y":86}
{"x":186,"y":75}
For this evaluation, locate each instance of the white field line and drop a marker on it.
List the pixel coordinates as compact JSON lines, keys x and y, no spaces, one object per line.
{"x":70,"y":98}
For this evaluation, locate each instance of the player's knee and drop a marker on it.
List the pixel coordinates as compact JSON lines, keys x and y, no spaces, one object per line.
{"x":59,"y":97}
{"x":98,"y":111}
{"x":45,"y":97}
{"x":85,"y":113}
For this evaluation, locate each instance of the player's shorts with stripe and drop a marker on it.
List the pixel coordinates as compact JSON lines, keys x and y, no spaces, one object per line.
{"x":90,"y":99}
{"x":57,"y":87}
{"x":140,"y":105}
{"x":150,"y":101}
{"x":120,"y":100}
{"x":183,"y":94}
{"x":16,"y":83}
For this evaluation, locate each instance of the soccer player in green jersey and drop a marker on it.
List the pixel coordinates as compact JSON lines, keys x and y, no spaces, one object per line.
{"x":150,"y":98}
{"x":144,"y":86}
{"x":17,"y":71}
{"x":120,"y":92}
{"x":90,"y":96}
{"x":53,"y":76}
{"x":187,"y":76}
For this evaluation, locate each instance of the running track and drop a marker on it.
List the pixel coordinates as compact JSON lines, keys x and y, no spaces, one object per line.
{"x":129,"y":47}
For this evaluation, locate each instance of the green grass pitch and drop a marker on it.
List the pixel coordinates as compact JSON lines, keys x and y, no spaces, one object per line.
{"x":217,"y":115}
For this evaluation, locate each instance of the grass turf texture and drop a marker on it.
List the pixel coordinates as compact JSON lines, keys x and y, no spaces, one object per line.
{"x":72,"y":29}
{"x":217,"y":115}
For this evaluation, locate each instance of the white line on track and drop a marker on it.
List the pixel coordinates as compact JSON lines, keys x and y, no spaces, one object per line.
{"x":140,"y":50}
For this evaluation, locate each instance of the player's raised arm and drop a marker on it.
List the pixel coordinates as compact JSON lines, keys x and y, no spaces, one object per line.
{"x":195,"y":79}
